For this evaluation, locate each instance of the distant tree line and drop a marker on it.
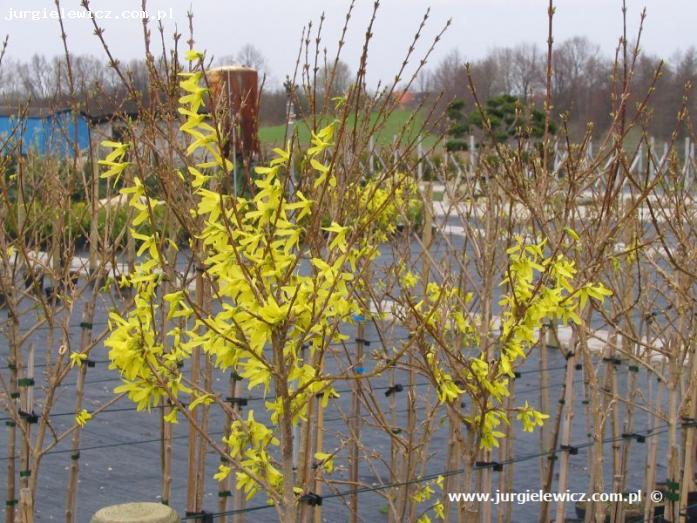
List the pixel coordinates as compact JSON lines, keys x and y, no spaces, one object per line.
{"x":581,"y":82}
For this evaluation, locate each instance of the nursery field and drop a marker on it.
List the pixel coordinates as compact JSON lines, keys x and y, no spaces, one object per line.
{"x":121,"y":450}
{"x":402,"y":123}
{"x":395,"y":316}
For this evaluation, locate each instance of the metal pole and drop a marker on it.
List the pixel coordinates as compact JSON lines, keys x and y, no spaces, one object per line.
{"x":473,"y":155}
{"x":419,"y":165}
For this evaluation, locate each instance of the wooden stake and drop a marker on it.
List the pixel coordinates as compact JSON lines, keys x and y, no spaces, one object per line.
{"x":319,"y":443}
{"x":688,"y":478}
{"x":652,"y":452}
{"x":503,"y":511}
{"x":568,"y":409}
{"x":13,"y":401}
{"x":192,"y":468}
{"x":203,"y":444}
{"x":544,"y":399}
{"x":27,"y":401}
{"x":71,"y":502}
{"x":394,"y":452}
{"x":356,"y":423}
{"x":26,"y":506}
{"x":166,"y":455}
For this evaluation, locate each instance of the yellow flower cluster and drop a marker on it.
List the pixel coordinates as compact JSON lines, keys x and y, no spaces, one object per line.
{"x":540,"y":288}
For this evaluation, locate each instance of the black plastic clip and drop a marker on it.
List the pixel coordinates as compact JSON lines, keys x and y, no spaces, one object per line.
{"x":25,"y":382}
{"x":235,"y":376}
{"x":224,"y":494}
{"x":495,"y":465}
{"x":90,"y":363}
{"x":688,"y":423}
{"x":363,"y":341}
{"x":203,"y":516}
{"x":640,"y":438}
{"x":578,"y":366}
{"x":613,"y":360}
{"x":29,"y":417}
{"x":397,"y":387}
{"x":240,"y":402}
{"x":330,"y":394}
{"x":570,"y":449}
{"x":633,"y":368}
{"x":569,"y":355}
{"x":516,"y":374}
{"x":312,"y":499}
{"x":86,"y":325}
{"x":75,"y":456}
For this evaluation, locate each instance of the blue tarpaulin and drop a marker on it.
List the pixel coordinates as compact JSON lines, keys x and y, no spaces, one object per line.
{"x":43,"y":132}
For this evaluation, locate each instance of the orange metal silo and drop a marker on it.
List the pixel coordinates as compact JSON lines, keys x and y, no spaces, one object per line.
{"x":234,"y":94}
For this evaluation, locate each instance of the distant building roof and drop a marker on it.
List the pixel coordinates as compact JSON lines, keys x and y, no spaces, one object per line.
{"x":99,"y":110}
{"x":405,"y":97}
{"x":96,"y":110}
{"x":28,"y":111}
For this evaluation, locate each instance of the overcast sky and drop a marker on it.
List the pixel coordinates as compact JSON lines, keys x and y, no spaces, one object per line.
{"x":274,"y":26}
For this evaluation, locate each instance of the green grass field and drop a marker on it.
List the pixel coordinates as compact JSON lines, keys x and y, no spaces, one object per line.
{"x":398,"y":123}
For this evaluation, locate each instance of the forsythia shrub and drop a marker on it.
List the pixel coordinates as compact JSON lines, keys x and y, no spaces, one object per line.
{"x":279,"y":303}
{"x":540,"y":288}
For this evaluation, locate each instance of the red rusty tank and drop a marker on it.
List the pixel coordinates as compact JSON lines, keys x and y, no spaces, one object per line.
{"x":234,"y":93}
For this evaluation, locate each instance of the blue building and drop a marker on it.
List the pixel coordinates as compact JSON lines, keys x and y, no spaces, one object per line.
{"x":43,"y":131}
